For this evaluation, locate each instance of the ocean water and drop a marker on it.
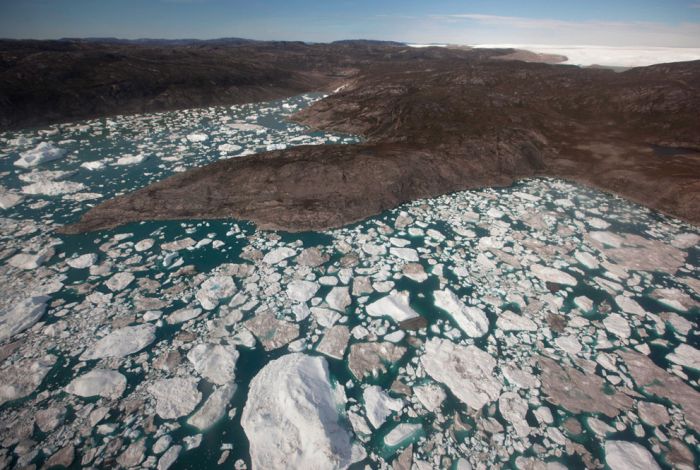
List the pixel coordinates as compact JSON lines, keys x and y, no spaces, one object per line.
{"x":582,"y":275}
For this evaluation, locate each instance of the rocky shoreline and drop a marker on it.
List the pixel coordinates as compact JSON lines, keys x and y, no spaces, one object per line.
{"x":437,"y":126}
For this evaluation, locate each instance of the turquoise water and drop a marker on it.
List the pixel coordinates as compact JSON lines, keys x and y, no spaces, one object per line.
{"x":462,"y":240}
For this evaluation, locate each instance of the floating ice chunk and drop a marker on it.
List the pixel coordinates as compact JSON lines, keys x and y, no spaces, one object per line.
{"x":197,"y":137}
{"x":628,"y":305}
{"x":22,"y":315}
{"x":278,"y":255}
{"x":23,"y":377}
{"x":312,"y":257}
{"x":586,"y":259}
{"x":325,"y":316}
{"x":402,"y":433}
{"x":374,"y":250}
{"x":569,"y":344}
{"x":53,"y":188}
{"x":245,"y":126}
{"x":471,"y":320}
{"x":466,"y":370}
{"x":394,"y":305}
{"x":494,"y":213}
{"x":203,"y":242}
{"x":121,"y":342}
{"x":617,"y":325}
{"x":406,"y":254}
{"x":686,"y":240}
{"x":686,"y":356}
{"x":600,"y":224}
{"x":272,"y":332}
{"x":514,"y":409}
{"x":8,"y":199}
{"x":291,"y":417}
{"x":183,"y":315}
{"x":379,"y":405}
{"x":119,"y":281}
{"x":395,"y":337}
{"x":214,"y":407}
{"x":430,"y":396}
{"x":653,"y":414}
{"x":339,"y":298}
{"x":178,"y":244}
{"x":334,"y":342}
{"x":83,"y":261}
{"x":103,"y":382}
{"x":214,"y":289}
{"x":44,"y":152}
{"x":607,"y":238}
{"x":372,"y":358}
{"x":526,"y":196}
{"x":623,"y":455}
{"x":414,"y":271}
{"x":214,"y":362}
{"x":229,"y":148}
{"x":29,"y":261}
{"x":302,"y":291}
{"x":511,"y":321}
{"x":584,"y":303}
{"x":169,"y":457}
{"x":131,"y":159}
{"x":94,"y":165}
{"x":143,"y":245}
{"x":175,"y":397}
{"x":547,"y":274}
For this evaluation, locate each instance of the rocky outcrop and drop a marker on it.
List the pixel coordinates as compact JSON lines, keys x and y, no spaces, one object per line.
{"x":435,"y":125}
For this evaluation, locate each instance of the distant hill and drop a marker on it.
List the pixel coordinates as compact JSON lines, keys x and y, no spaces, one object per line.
{"x":368,"y":42}
{"x":164,"y":42}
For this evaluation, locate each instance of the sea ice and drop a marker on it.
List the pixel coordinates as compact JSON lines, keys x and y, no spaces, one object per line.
{"x":302,"y":291}
{"x":214,"y":407}
{"x":44,"y":152}
{"x":466,"y":370}
{"x":547,"y":274}
{"x":686,"y":356}
{"x":131,"y":159}
{"x":379,"y":405}
{"x":197,"y":137}
{"x":213,"y":290}
{"x":214,"y":362}
{"x":430,"y":396}
{"x":103,"y":382}
{"x":119,"y":281}
{"x":471,"y":320}
{"x":401,"y":433}
{"x":278,"y":255}
{"x":175,"y":397}
{"x":623,"y":455}
{"x":121,"y":342}
{"x":21,"y":315}
{"x":83,"y":261}
{"x":394,"y":305}
{"x":291,"y":417}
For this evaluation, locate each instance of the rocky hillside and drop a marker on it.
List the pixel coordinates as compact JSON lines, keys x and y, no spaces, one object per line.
{"x":434,"y":125}
{"x":43,"y":82}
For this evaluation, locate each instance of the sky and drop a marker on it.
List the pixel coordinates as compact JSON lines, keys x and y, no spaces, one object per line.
{"x":639,"y":23}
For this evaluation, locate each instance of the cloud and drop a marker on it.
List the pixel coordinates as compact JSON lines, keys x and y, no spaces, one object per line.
{"x":553,"y":31}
